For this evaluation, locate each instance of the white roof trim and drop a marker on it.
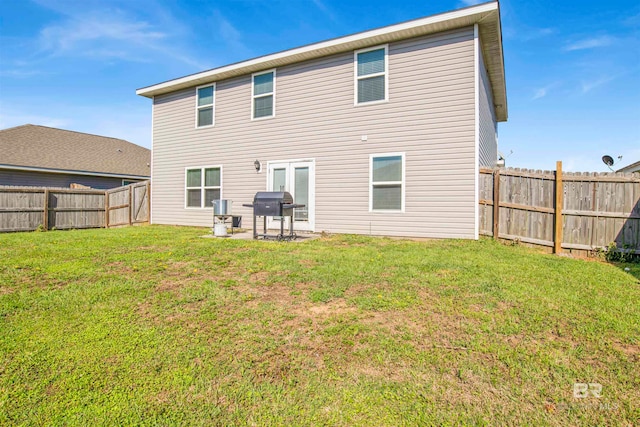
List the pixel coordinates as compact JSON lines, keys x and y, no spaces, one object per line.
{"x":630,"y":168}
{"x":442,"y":22}
{"x":72,"y":172}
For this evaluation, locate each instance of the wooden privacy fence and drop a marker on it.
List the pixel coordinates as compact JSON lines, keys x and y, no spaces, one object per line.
{"x":29,"y":208}
{"x":128,"y":205}
{"x":563,"y":211}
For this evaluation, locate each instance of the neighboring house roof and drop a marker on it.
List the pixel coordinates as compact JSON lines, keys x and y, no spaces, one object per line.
{"x":45,"y":149}
{"x":486,"y":15}
{"x":633,"y":167}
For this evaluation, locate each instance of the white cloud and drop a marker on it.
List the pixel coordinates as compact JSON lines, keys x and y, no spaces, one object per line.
{"x":543,"y":91}
{"x":588,"y":86}
{"x":21,"y":73}
{"x":228,"y":31}
{"x":540,"y":93}
{"x":632,"y":21}
{"x":230,"y":34}
{"x":106,"y":34}
{"x":73,"y":33}
{"x":323,"y":7}
{"x":320,"y":5}
{"x":536,"y":33}
{"x":589,"y":43}
{"x":524,"y":33}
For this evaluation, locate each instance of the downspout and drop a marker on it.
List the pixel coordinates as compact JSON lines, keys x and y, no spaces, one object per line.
{"x":153,"y":103}
{"x":476,"y":145}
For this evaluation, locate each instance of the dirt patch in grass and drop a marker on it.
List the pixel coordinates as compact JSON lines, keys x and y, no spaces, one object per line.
{"x":260,"y":277}
{"x":5,"y":290}
{"x":423,"y":327}
{"x":322,"y":311}
{"x":514,"y":340}
{"x":258,"y":291}
{"x":175,"y":285}
{"x":145,"y":311}
{"x":307,"y":263}
{"x":630,"y":350}
{"x":170,"y":285}
{"x":177,"y":268}
{"x":293,"y":300}
{"x":31,"y":278}
{"x":162,"y":398}
{"x":119,"y":267}
{"x":446,"y":273}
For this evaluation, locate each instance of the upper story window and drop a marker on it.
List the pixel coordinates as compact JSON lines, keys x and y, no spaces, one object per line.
{"x":204,"y":105}
{"x":202,"y":186}
{"x":371,"y":75}
{"x":264,"y":94}
{"x":386,"y":189}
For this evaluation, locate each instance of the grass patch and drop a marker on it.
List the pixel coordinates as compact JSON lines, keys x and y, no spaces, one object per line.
{"x":155,"y":325}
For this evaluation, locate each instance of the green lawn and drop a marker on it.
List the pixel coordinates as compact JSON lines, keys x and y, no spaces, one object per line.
{"x":158,"y":326}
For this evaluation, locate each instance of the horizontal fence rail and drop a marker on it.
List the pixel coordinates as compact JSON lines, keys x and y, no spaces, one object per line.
{"x":559,"y":210}
{"x":29,"y":208}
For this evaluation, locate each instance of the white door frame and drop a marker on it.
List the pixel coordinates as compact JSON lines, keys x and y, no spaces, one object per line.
{"x":290,"y":165}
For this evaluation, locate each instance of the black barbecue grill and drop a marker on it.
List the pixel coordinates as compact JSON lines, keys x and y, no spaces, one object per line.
{"x":274,"y":204}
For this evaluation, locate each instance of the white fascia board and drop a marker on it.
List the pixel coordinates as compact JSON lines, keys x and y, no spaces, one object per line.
{"x":73,"y":172}
{"x":320,"y":49}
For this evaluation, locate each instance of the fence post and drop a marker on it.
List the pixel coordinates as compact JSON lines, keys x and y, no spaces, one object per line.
{"x":131,"y":207}
{"x":496,"y":203}
{"x":106,"y":209}
{"x":45,"y":210}
{"x":557,"y":216}
{"x":149,"y":202}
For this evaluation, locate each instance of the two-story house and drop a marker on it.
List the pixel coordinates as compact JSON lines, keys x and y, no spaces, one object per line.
{"x":380,"y":132}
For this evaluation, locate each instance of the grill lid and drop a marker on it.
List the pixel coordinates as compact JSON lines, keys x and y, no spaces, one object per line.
{"x":273,"y":196}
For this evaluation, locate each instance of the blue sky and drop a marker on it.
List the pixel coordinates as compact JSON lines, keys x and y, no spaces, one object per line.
{"x":572,"y":67}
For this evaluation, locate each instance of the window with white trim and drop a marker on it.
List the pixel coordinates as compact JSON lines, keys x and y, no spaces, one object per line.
{"x":204,"y":105}
{"x":371,"y":77}
{"x":202,"y":186}
{"x":386,"y":192}
{"x":263,"y":94}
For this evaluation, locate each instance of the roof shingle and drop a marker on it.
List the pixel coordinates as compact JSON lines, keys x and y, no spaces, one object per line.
{"x":50,"y":148}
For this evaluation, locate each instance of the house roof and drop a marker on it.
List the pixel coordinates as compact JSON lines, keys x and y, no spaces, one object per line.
{"x":486,"y":15}
{"x":41,"y":148}
{"x":633,"y":167}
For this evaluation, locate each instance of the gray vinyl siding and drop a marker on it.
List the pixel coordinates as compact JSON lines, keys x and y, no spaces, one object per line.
{"x":429,"y":116}
{"x":44,"y":179}
{"x":488,"y":127}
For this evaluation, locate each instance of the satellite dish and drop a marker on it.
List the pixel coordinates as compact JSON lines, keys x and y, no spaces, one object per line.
{"x":607,"y":160}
